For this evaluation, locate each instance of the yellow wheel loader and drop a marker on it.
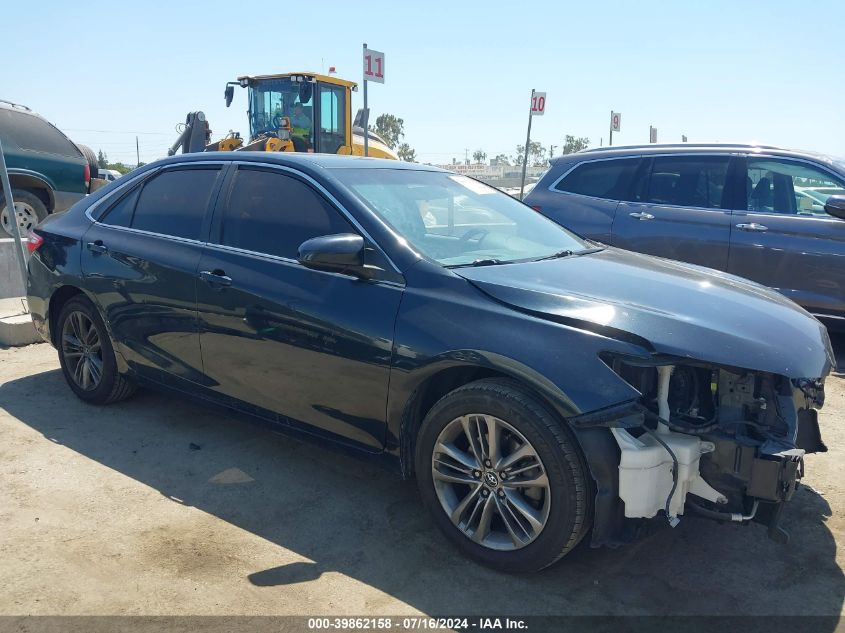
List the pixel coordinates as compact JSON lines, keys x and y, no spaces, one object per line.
{"x":292,"y":112}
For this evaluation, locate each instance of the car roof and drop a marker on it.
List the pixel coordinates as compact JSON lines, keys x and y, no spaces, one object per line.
{"x":301,"y":160}
{"x":620,"y":151}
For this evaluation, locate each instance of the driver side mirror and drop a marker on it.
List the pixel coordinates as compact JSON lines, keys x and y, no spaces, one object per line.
{"x":229,"y":94}
{"x":342,"y":253}
{"x":835,"y":206}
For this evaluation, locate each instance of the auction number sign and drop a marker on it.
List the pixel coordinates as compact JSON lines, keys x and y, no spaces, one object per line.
{"x":615,"y":122}
{"x":373,"y":66}
{"x":538,"y":104}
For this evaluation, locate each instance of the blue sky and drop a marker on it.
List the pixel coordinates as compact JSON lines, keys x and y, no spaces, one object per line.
{"x":459,"y":73}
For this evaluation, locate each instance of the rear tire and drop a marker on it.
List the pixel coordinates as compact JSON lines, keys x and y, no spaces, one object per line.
{"x":29,"y":211}
{"x":533,"y":476}
{"x":87,"y":356}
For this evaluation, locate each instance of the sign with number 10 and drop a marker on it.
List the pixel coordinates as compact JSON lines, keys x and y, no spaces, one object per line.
{"x":538,"y":104}
{"x":373,"y":66}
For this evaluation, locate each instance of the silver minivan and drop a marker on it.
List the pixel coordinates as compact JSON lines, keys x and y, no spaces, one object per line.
{"x":771,"y":215}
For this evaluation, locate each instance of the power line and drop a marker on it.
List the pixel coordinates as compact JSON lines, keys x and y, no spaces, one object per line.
{"x":70,"y":129}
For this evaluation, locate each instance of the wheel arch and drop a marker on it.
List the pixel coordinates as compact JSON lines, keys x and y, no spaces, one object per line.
{"x":57,"y":301}
{"x":59,"y":298}
{"x":36,"y":185}
{"x":598,"y":451}
{"x":442,"y":380}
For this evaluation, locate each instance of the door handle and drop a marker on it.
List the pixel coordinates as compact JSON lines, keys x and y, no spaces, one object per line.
{"x":97,"y":247}
{"x":759,"y":228}
{"x":215,"y":278}
{"x":641,"y":215}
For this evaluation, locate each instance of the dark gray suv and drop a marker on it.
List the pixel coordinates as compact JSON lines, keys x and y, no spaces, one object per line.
{"x":768,"y":214}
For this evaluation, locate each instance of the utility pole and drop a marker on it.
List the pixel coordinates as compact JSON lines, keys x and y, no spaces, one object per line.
{"x":466,"y":156}
{"x":551,"y":152}
{"x":610,"y":142}
{"x":137,"y":152}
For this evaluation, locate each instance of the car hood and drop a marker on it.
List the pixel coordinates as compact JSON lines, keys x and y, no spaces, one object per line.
{"x":667,"y":307}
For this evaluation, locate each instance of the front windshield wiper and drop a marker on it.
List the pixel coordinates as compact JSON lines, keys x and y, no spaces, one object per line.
{"x":569,"y":253}
{"x":481,"y":262}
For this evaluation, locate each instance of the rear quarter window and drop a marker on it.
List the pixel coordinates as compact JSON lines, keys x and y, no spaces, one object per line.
{"x":600,"y":179}
{"x":30,"y":132}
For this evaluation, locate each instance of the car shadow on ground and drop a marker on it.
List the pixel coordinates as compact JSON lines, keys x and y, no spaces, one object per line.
{"x":352,"y":517}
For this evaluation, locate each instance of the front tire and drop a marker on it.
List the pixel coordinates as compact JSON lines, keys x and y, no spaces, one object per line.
{"x":503,"y":476}
{"x":87,"y":356}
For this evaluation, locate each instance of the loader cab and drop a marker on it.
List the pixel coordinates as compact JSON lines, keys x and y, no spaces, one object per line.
{"x":310,"y":110}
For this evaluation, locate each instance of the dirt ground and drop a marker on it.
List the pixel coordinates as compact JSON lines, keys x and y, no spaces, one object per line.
{"x":162,"y":506}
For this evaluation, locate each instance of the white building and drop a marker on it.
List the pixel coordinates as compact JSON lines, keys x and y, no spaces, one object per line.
{"x":484,"y":171}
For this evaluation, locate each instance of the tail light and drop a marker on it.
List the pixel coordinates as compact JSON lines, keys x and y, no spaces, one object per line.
{"x":536,"y":207}
{"x":33,"y":241}
{"x":87,"y":176}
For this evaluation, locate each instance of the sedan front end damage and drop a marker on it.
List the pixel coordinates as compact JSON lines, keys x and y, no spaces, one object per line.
{"x":723,"y":379}
{"x":721,"y":442}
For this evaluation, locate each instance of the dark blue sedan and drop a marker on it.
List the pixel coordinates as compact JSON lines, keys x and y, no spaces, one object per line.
{"x":538,"y":385}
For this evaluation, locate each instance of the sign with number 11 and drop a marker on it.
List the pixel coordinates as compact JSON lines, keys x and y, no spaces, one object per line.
{"x":373,"y":66}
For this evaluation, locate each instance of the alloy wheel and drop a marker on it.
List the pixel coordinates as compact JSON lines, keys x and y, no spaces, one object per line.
{"x":82,"y":351}
{"x":25,"y":215}
{"x":491,"y":482}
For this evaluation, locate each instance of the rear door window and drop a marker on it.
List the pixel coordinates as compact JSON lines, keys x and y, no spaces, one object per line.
{"x":175,"y":202}
{"x":689,"y":181}
{"x":600,"y":179}
{"x":270,"y":212}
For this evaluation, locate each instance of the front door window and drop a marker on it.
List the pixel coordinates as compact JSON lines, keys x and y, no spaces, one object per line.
{"x":780,"y":186}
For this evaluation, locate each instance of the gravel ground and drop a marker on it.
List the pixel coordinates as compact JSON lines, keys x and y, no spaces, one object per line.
{"x":162,"y":506}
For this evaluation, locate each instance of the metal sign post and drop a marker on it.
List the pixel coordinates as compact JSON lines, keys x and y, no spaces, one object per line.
{"x":538,"y":108}
{"x":373,"y":71}
{"x":13,"y":217}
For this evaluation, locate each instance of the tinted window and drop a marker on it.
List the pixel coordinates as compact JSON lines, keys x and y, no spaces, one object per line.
{"x":121,"y":213}
{"x":688,"y":181}
{"x":272,"y":213}
{"x":34,"y":133}
{"x":789,"y":187}
{"x":600,"y":179}
{"x":175,"y":202}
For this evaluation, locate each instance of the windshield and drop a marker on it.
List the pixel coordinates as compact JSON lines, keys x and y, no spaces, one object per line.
{"x":271,"y":99}
{"x":456,"y":220}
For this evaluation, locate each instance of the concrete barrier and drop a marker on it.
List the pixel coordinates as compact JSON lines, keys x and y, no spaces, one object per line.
{"x":11,"y":284}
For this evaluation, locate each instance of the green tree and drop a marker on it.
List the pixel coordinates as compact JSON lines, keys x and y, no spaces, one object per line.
{"x":102,"y":161}
{"x":391,"y":128}
{"x":406,"y":153}
{"x":572,"y":144}
{"x":502,"y":159}
{"x":536,"y":154}
{"x":123,"y":169}
{"x":479,"y":156}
